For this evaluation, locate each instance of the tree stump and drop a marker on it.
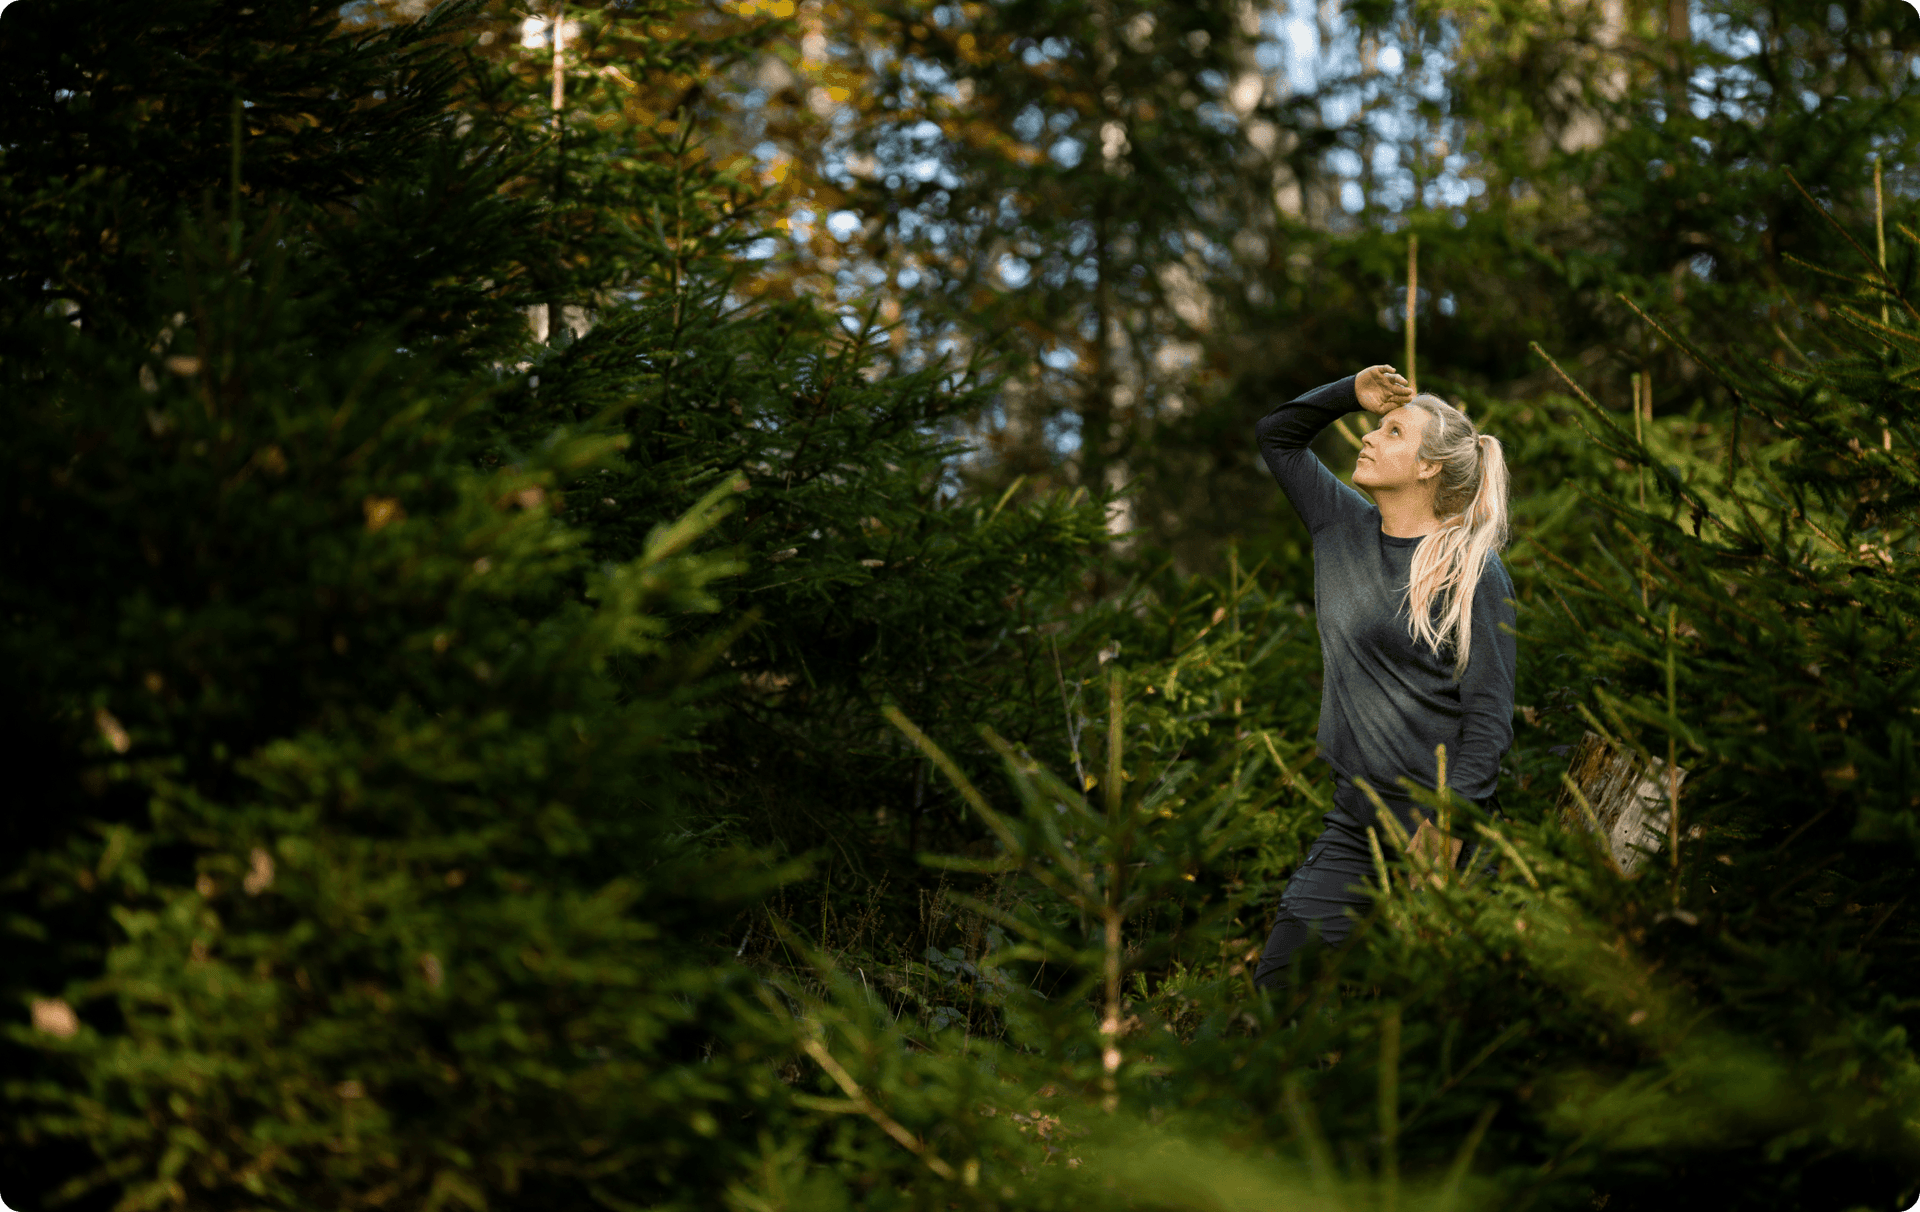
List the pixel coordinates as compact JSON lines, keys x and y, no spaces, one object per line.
{"x":1630,"y":802}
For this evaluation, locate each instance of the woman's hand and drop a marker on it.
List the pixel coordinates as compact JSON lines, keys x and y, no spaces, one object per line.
{"x":1381,"y":389}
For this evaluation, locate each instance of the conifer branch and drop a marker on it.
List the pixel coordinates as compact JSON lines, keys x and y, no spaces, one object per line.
{"x":1880,"y":227}
{"x":1506,"y":847}
{"x":1310,"y":1003}
{"x":1499,"y":1041}
{"x":1569,"y":567}
{"x":1684,"y":346}
{"x":1379,"y":861}
{"x":1306,"y":1126}
{"x":1389,"y":1108}
{"x":1624,"y":447}
{"x":1593,"y":819}
{"x":858,"y":1097}
{"x":1836,"y":544}
{"x":1850,"y":279}
{"x":1292,"y":776}
{"x":1674,"y":484}
{"x":1457,"y":1172}
{"x":1879,"y":271}
{"x":1571,"y":617}
{"x":1572,"y":386}
{"x":1413,"y":295}
{"x":955,"y":775}
{"x":1881,"y":327}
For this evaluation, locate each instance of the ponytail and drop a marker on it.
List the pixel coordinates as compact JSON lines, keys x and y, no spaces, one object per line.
{"x":1471,"y":501}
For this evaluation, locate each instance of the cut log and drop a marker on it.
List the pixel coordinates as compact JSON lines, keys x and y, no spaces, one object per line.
{"x":1630,"y":801}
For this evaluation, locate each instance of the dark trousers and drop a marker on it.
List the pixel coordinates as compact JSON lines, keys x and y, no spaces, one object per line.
{"x":1336,"y":876}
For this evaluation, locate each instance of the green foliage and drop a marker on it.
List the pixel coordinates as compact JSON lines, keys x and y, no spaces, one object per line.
{"x":1772,"y":653}
{"x":383,"y":863}
{"x":356,"y":875}
{"x":619,"y":170}
{"x":1728,"y":1024}
{"x":122,"y":121}
{"x":865,"y":579}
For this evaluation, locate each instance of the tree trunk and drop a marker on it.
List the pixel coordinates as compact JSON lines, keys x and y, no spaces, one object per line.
{"x":1096,"y":408}
{"x":558,"y":330}
{"x":1629,"y":803}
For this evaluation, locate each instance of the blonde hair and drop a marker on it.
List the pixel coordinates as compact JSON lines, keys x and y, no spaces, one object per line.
{"x":1470,"y":498}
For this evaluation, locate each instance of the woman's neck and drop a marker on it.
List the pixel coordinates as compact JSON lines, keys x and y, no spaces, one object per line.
{"x":1406,"y":515}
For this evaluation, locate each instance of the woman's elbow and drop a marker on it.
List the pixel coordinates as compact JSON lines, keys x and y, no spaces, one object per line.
{"x":1267,"y":430}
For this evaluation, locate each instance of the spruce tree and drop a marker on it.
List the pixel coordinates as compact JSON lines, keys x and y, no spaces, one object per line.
{"x":352,"y":871}
{"x":866,"y":581}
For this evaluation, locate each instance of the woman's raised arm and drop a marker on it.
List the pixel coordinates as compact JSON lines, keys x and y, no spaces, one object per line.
{"x":1285,"y":435}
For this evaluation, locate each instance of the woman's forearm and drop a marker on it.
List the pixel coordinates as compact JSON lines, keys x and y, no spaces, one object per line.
{"x":1285,"y":435}
{"x":1295,"y":424}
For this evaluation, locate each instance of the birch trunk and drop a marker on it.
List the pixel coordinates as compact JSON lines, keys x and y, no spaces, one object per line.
{"x":1630,"y":803}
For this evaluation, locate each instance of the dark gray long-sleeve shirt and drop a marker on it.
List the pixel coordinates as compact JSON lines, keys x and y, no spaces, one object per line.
{"x":1387,"y":701}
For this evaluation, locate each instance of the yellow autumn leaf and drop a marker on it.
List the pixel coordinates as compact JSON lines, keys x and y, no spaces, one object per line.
{"x":382,"y":511}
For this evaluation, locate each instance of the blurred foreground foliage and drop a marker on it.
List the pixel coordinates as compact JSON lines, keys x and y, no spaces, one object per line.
{"x":628,"y":768}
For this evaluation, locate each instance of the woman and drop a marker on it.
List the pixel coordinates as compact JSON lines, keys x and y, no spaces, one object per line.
{"x":1416,"y":627}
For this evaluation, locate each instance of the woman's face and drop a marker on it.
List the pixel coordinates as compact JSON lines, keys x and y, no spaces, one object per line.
{"x":1390,"y":454}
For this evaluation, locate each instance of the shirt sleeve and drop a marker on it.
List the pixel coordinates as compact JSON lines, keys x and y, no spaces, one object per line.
{"x":1486,"y":689}
{"x":1317,"y":495}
